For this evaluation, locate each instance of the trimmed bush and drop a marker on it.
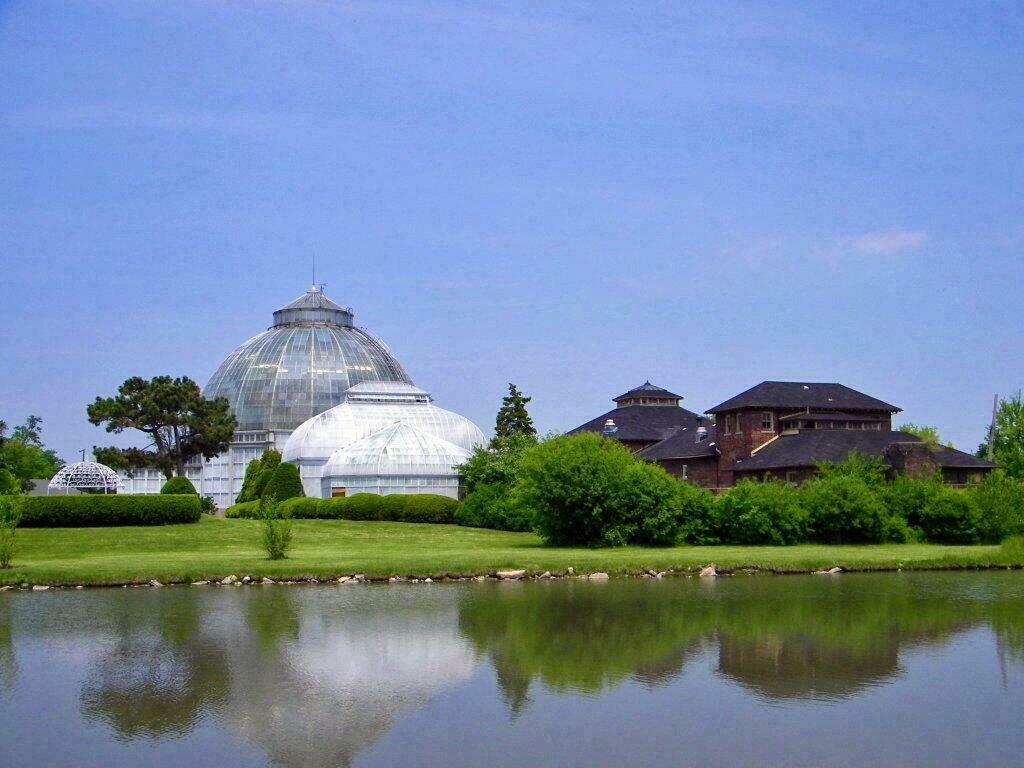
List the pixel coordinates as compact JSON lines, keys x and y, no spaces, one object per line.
{"x":422,"y":508}
{"x":491,"y":506}
{"x":257,"y":474}
{"x":303,"y":508}
{"x":245,"y":510}
{"x":284,"y":483}
{"x":950,"y":518}
{"x":393,"y":505}
{"x":844,"y":509}
{"x":999,"y":502}
{"x":10,"y":517}
{"x":755,"y":512}
{"x":178,"y":485}
{"x":112,"y":509}
{"x":361,"y":506}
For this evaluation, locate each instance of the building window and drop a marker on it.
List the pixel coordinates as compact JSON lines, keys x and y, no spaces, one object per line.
{"x":683,"y":474}
{"x":791,"y":476}
{"x":728,"y":425}
{"x":767,"y":421}
{"x":736,"y":431}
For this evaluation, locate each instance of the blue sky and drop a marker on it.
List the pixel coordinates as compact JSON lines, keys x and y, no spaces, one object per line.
{"x":572,"y":196}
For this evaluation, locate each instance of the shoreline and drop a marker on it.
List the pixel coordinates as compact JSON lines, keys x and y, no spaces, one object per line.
{"x":503,"y":575}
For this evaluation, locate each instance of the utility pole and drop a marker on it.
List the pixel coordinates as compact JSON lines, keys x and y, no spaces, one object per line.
{"x":992,"y":429}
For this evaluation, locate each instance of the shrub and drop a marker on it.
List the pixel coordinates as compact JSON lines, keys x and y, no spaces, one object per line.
{"x":906,"y":497}
{"x":395,"y":507}
{"x":362,"y":506}
{"x":284,"y":483}
{"x":649,"y":500}
{"x":257,"y":475}
{"x":178,"y":485}
{"x":873,"y":470}
{"x":498,"y":464}
{"x":207,"y":504}
{"x":491,"y":505}
{"x":110,"y":509}
{"x":245,"y":509}
{"x":846,"y":509}
{"x":950,"y":518}
{"x":999,"y":502}
{"x":754,"y":512}
{"x":10,"y":516}
{"x":425,"y":508}
{"x":303,"y":508}
{"x":576,"y":489}
{"x":275,"y":528}
{"x":698,"y":513}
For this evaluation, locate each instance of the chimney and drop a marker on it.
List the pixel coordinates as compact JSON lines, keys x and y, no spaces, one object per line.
{"x":702,"y":431}
{"x":609,"y":428}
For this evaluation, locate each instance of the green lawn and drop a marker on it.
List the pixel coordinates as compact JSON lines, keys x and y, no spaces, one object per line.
{"x":216,"y":547}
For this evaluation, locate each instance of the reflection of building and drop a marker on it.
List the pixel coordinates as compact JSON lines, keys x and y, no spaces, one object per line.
{"x":780,"y":429}
{"x":305,"y":364}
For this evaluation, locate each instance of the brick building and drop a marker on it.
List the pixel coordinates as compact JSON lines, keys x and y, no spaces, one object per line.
{"x":777,"y":429}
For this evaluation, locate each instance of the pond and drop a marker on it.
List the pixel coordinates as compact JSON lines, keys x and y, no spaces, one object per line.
{"x":923,"y":669}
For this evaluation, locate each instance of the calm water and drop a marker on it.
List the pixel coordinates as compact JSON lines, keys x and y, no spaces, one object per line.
{"x":852,"y":670}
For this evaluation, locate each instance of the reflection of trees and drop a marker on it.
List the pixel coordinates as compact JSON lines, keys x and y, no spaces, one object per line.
{"x":781,"y":637}
{"x":311,"y":676}
{"x":579,"y":636}
{"x":8,"y":661}
{"x":159,"y":678}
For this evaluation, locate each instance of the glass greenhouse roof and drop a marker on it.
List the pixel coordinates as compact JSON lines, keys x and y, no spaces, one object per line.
{"x":301,"y":366}
{"x":85,"y":474}
{"x":398,"y":450}
{"x":368,"y":408}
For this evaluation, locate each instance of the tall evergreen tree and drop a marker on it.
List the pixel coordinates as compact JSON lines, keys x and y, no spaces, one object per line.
{"x":513,"y":418}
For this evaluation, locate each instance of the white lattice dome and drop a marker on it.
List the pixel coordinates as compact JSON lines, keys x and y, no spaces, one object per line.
{"x":85,"y":475}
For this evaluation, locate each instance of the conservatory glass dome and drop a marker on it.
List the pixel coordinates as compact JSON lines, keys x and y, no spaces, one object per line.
{"x":301,"y":366}
{"x":370,"y":406}
{"x":396,"y":459}
{"x":85,"y":475}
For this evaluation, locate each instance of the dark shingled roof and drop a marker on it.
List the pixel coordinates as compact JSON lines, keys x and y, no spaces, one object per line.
{"x":647,"y":390}
{"x":811,"y":446}
{"x":800,"y":394}
{"x":827,"y":416}
{"x":682,"y":444}
{"x":647,"y":423}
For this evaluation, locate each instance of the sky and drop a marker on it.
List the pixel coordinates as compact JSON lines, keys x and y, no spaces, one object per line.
{"x":575,"y":197}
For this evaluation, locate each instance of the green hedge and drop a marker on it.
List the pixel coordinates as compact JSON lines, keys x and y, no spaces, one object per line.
{"x":178,"y":485}
{"x":245,"y":509}
{"x":284,"y":483}
{"x":396,"y":507}
{"x":102,"y":510}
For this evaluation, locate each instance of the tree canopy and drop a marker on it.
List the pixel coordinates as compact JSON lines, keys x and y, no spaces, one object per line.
{"x":927,"y":434}
{"x":513,"y":418}
{"x":172,"y":412}
{"x":1008,"y":443}
{"x":23,"y":457}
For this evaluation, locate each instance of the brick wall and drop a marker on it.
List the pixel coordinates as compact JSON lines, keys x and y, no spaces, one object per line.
{"x":702,"y":471}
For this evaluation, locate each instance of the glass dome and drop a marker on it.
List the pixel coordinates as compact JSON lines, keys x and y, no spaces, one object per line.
{"x":301,"y":366}
{"x":370,"y":406}
{"x":85,"y":475}
{"x":396,"y":459}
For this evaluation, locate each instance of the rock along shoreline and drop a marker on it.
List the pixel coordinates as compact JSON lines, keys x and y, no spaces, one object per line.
{"x":709,"y":571}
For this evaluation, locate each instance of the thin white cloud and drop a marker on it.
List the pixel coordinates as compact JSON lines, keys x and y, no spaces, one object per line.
{"x":889,"y":242}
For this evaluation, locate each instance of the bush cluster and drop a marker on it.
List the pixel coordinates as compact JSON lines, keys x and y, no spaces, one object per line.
{"x":284,"y":483}
{"x":90,"y":510}
{"x":179,"y":484}
{"x":399,"y":508}
{"x":587,"y":490}
{"x":257,"y":474}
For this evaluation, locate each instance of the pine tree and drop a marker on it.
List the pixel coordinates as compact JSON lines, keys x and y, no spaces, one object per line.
{"x":284,"y":483}
{"x":513,"y":418}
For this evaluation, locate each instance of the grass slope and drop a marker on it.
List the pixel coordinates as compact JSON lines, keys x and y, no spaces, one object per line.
{"x":216,"y":547}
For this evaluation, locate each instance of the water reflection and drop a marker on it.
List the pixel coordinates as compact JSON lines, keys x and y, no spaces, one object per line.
{"x":315,"y":676}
